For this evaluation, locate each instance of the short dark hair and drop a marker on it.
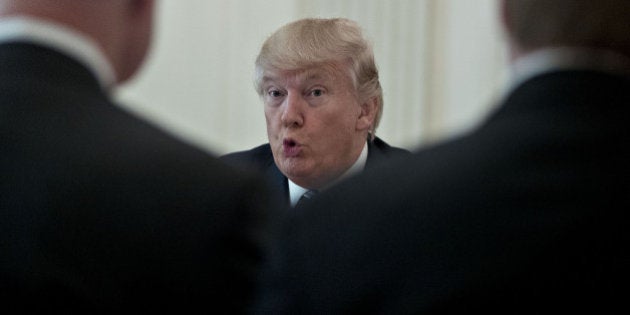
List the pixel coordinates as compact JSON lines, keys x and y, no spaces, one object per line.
{"x":533,"y":24}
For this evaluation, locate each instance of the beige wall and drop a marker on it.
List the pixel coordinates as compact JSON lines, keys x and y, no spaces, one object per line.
{"x":441,"y":63}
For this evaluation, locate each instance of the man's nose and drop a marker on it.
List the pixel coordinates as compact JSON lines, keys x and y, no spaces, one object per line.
{"x":293,"y":112}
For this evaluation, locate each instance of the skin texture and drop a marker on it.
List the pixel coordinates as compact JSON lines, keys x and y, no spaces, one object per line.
{"x":316,"y":122}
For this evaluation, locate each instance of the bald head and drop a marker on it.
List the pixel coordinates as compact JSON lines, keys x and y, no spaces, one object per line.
{"x":122,"y":28}
{"x":535,"y":24}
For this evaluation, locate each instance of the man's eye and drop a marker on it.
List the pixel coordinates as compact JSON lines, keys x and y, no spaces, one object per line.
{"x":274,"y":93}
{"x":317,"y":92}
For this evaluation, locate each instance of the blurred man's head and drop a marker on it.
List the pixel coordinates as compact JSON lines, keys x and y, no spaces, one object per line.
{"x":535,"y":24}
{"x":322,"y":96}
{"x":122,"y":28}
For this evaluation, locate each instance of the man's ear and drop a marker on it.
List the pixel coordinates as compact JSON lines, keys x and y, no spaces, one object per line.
{"x":142,"y":7}
{"x":504,"y":16}
{"x":508,"y":26}
{"x":135,"y":39}
{"x":367,"y":115}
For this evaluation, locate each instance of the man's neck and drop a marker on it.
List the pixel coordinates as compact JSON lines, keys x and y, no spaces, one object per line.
{"x":68,"y":41}
{"x":530,"y":64}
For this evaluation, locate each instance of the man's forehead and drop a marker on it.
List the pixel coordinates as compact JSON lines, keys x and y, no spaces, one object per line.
{"x":318,"y":73}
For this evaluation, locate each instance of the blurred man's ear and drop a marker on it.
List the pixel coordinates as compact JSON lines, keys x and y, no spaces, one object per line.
{"x":507,"y":24}
{"x":141,"y":7}
{"x":504,"y":16}
{"x":139,"y":16}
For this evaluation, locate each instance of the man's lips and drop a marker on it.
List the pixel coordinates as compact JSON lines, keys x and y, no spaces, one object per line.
{"x":291,"y":148}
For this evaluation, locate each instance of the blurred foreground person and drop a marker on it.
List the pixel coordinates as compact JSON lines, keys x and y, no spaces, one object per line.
{"x":100,"y":211}
{"x":526,"y":215}
{"x":323,"y":101}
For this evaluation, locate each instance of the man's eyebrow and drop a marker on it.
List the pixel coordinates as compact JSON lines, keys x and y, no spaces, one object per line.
{"x":311,"y":75}
{"x":267,"y":78}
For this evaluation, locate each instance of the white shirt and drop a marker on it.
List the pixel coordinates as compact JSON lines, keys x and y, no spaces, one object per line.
{"x":296,"y":191}
{"x":63,"y":39}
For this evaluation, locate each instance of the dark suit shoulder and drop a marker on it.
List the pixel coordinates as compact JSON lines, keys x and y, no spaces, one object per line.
{"x":258,"y":158}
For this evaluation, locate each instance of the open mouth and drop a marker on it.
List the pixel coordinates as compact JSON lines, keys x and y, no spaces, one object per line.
{"x":291,"y":148}
{"x":289,"y":143}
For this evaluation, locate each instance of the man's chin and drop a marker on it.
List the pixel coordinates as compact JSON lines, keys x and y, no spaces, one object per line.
{"x":297,"y":173}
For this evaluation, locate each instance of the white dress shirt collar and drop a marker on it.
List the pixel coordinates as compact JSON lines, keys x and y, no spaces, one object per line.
{"x":296,"y":191}
{"x":64,"y":39}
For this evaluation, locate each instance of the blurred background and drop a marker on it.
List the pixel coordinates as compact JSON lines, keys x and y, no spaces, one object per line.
{"x":442,"y":65}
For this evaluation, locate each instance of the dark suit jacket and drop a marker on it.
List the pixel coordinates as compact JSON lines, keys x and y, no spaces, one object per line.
{"x":260,"y":159}
{"x":527,"y":215}
{"x":100,"y":211}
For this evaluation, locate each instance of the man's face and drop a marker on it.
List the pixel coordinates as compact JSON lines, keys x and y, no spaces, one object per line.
{"x":315,"y":123}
